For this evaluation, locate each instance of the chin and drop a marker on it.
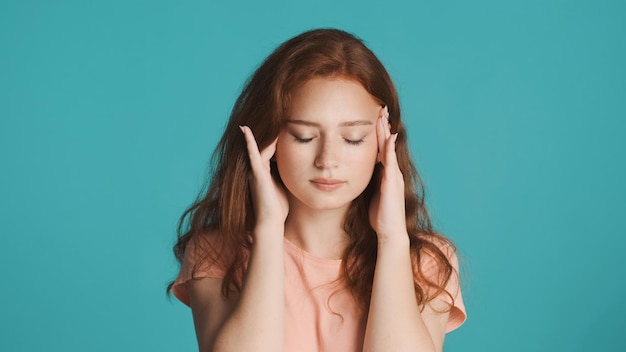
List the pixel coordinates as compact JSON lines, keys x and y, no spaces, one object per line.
{"x":329,"y":203}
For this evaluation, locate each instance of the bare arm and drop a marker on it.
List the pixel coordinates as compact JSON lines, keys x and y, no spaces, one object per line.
{"x":394,"y":322}
{"x":210,"y":309}
{"x":255,"y":320}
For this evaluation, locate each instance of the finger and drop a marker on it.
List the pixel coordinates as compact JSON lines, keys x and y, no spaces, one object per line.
{"x":387,"y":124}
{"x":253,"y":149}
{"x":380,"y":134}
{"x":390,"y":160}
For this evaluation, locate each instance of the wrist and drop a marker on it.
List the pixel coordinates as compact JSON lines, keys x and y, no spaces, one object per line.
{"x":400,"y":240}
{"x":269,"y":231}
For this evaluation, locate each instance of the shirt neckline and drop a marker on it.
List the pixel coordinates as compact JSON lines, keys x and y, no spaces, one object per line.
{"x":294,"y":249}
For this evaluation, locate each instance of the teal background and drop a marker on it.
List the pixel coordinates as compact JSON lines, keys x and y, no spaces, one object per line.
{"x":109,"y":111}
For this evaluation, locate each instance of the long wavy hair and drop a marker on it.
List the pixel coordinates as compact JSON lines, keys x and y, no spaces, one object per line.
{"x":224,"y":207}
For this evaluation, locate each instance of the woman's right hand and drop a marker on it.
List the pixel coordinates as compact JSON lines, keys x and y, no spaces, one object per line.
{"x":270,"y":199}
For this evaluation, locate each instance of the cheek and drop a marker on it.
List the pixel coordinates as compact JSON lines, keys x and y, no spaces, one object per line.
{"x":370,"y":159}
{"x":367,"y":156}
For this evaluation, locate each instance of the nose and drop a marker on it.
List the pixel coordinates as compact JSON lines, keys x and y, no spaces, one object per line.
{"x":327,"y":154}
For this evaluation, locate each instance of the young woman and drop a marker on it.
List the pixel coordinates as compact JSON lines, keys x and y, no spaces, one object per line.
{"x":313,"y":234}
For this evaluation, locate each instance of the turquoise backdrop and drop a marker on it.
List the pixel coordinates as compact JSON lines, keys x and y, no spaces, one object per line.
{"x":109,"y":111}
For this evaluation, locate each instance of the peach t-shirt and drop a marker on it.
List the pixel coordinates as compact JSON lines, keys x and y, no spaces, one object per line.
{"x":319,"y":314}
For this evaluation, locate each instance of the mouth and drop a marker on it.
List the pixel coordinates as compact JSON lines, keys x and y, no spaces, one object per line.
{"x":327,"y":184}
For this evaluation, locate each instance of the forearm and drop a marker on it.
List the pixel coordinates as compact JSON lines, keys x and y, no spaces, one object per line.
{"x":257,"y":321}
{"x":394,"y":322}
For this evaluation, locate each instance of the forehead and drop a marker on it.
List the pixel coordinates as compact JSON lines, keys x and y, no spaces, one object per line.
{"x":333,"y":100}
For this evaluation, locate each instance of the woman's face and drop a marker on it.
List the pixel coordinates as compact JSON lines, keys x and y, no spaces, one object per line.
{"x":327,"y":150}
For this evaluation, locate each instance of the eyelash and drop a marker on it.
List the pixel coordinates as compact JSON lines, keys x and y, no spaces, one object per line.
{"x":351,"y":142}
{"x":307,"y":140}
{"x":302,"y":140}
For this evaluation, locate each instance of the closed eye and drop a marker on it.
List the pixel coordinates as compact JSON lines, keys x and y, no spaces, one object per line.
{"x":354,"y":142}
{"x":302,"y":140}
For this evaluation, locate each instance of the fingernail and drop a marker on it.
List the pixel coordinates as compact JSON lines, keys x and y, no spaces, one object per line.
{"x":242,"y":130}
{"x":387,"y":112}
{"x":395,"y":137}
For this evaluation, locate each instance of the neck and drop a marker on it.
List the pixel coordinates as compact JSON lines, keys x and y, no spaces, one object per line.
{"x":319,"y":232}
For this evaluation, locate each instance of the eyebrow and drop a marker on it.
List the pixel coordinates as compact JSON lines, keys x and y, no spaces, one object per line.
{"x":343,"y":124}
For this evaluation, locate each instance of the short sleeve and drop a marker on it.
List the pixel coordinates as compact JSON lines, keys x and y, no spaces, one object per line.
{"x":453,"y":296}
{"x":200,"y":261}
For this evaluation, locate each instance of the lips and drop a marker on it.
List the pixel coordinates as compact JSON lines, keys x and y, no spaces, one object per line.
{"x":327,"y":184}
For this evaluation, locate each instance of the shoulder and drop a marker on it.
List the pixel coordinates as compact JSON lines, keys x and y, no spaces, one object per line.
{"x":436,"y":268}
{"x":205,"y":257}
{"x":435,"y":252}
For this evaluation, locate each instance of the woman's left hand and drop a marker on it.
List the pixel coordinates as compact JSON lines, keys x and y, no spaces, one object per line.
{"x":386,"y":212}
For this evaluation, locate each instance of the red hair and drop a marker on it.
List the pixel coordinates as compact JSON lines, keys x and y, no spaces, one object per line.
{"x":225,"y":209}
